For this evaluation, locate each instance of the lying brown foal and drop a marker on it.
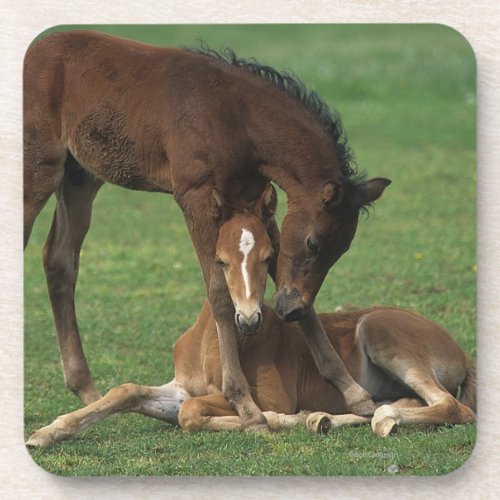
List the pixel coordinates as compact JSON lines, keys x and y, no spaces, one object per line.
{"x":412,"y":367}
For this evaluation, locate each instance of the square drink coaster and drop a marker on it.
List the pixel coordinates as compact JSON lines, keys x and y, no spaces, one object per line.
{"x":211,"y":114}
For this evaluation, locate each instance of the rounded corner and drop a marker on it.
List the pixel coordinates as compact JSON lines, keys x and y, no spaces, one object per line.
{"x":467,"y":460}
{"x":38,"y":37}
{"x":28,"y":451}
{"x":459,"y":34}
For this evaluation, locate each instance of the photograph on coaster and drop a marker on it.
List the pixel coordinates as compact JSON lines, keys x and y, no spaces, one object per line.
{"x":287,"y":284}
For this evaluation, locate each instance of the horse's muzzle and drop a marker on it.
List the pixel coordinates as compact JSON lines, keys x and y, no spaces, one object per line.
{"x":248,"y":325}
{"x":289,"y":305}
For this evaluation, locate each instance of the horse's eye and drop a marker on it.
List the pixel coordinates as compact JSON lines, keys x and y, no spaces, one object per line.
{"x":312,"y":246}
{"x":220,"y":262}
{"x":268,"y":259}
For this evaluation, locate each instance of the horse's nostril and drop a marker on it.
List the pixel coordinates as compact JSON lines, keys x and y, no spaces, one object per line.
{"x":259,"y":317}
{"x":289,"y":305}
{"x":294,"y":314}
{"x":248,"y":324}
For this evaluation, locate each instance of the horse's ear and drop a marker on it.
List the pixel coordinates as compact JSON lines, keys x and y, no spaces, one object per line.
{"x":215,"y":204}
{"x":268,"y":202}
{"x":373,"y":189}
{"x":331,"y":195}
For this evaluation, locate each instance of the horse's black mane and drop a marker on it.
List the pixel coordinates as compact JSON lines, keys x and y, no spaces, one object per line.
{"x":288,"y":81}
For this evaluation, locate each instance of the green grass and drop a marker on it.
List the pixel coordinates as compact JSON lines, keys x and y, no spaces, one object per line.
{"x":407,"y":98}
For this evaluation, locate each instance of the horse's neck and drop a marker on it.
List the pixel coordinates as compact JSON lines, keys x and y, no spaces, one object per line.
{"x":292,"y":151}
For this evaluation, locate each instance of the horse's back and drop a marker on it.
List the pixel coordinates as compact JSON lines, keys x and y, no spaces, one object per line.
{"x":85,"y":45}
{"x":145,"y":117}
{"x":76,"y":71}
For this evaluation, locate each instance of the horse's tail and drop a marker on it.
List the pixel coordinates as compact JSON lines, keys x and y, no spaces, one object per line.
{"x":468,"y":386}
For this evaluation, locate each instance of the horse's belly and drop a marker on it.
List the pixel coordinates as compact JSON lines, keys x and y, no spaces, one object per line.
{"x":321,"y":396}
{"x":123,"y":170}
{"x":104,"y":145}
{"x":381,"y":385}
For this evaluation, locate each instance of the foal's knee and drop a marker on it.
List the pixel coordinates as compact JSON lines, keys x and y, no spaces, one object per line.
{"x":190,"y":415}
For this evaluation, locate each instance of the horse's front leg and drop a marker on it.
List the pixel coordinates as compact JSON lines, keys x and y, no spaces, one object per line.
{"x":161,"y":402}
{"x":332,"y":368}
{"x":204,"y":232}
{"x":213,"y":413}
{"x":234,"y":383}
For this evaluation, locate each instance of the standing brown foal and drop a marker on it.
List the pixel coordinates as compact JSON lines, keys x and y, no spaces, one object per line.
{"x":411,"y":365}
{"x":102,"y":109}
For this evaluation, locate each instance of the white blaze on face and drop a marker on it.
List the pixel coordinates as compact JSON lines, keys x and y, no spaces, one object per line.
{"x":247,"y":242}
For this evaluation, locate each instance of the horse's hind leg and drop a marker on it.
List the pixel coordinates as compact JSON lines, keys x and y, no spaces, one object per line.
{"x":321,"y":423}
{"x":61,"y":260}
{"x":43,"y":174}
{"x":398,"y":343}
{"x":442,"y":407}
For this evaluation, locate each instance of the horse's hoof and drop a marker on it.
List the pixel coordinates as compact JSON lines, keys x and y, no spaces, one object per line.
{"x":384,"y":421}
{"x":319,"y":423}
{"x":39,"y":439}
{"x":385,"y":427}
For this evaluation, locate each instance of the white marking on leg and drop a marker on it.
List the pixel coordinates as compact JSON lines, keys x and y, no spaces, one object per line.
{"x":165,"y":402}
{"x":247,"y":242}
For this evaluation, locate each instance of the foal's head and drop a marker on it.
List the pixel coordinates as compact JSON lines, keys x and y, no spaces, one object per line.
{"x":317,"y":229}
{"x":244,"y":251}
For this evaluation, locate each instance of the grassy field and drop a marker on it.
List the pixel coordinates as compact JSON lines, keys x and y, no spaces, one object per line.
{"x":407,"y":98}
